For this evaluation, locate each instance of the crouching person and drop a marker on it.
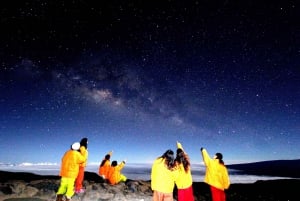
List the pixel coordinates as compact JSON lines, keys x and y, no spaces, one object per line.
{"x":114,"y":173}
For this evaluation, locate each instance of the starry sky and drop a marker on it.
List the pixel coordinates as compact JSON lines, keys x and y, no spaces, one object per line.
{"x":136,"y":76}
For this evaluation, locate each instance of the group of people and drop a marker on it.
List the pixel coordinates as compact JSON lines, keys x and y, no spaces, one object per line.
{"x":73,"y":164}
{"x":166,"y":172}
{"x":111,"y":172}
{"x":72,"y":169}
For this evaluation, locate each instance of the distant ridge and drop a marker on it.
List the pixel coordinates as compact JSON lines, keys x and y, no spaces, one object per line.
{"x":281,"y":168}
{"x":28,"y":177}
{"x":6,"y":176}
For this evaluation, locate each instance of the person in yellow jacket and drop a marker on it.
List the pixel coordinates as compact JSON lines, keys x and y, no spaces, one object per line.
{"x":184,"y":180}
{"x":69,"y":170}
{"x":114,"y":173}
{"x":79,"y":180}
{"x":105,"y":165}
{"x":216,"y":175}
{"x":163,"y":177}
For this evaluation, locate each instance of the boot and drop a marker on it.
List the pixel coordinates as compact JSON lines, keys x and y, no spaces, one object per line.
{"x":68,"y":199}
{"x":59,"y":197}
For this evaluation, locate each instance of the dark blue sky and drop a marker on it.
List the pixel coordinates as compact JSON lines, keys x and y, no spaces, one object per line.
{"x":135,"y":77}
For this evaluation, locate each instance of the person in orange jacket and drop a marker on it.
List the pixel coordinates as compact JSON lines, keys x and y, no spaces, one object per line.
{"x":184,"y":180}
{"x":105,"y":165}
{"x":163,"y":177}
{"x":114,"y":173}
{"x":216,"y":175}
{"x":69,"y":170}
{"x":79,"y":180}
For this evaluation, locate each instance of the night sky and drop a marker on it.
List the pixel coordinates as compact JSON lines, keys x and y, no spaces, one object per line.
{"x":134,"y":77}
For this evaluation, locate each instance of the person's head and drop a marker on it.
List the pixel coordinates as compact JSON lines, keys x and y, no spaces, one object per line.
{"x":107,"y":157}
{"x":169,"y":158}
{"x":75,"y":146}
{"x":219,"y":156}
{"x":182,"y":158}
{"x":84,"y":142}
{"x":179,"y":152}
{"x":179,"y":156}
{"x":114,"y":163}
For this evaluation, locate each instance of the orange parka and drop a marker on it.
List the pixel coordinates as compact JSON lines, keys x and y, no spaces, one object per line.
{"x":114,"y":173}
{"x":70,"y":164}
{"x":104,"y":168}
{"x":216,"y":174}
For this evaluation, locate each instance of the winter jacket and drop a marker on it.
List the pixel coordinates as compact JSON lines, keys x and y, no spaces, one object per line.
{"x":114,"y":173}
{"x":70,"y":164}
{"x":216,"y":174}
{"x":103,"y":170}
{"x":162,"y":179}
{"x":84,"y":152}
{"x":183,"y":179}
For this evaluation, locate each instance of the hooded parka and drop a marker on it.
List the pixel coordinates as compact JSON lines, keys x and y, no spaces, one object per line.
{"x":70,"y":164}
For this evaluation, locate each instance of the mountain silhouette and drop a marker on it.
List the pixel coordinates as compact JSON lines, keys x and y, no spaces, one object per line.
{"x":281,"y":168}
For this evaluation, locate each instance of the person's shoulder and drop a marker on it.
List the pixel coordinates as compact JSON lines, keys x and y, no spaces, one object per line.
{"x":158,"y":160}
{"x":83,"y":148}
{"x":68,"y":152}
{"x":77,"y":153}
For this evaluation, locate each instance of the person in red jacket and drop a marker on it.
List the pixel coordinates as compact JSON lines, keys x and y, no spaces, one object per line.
{"x":69,"y":170}
{"x":84,"y":151}
{"x":216,"y":175}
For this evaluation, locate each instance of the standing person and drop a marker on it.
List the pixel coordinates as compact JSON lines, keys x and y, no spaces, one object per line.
{"x":216,"y":175}
{"x":184,"y":180}
{"x":79,"y":180}
{"x":163,"y":177}
{"x":105,"y":165}
{"x":114,"y":173}
{"x":69,"y":170}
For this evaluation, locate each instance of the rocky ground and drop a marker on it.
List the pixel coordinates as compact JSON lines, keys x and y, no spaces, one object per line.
{"x":31,"y":187}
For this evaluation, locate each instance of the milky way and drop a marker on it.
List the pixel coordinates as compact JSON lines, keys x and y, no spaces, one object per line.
{"x":135,"y":77}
